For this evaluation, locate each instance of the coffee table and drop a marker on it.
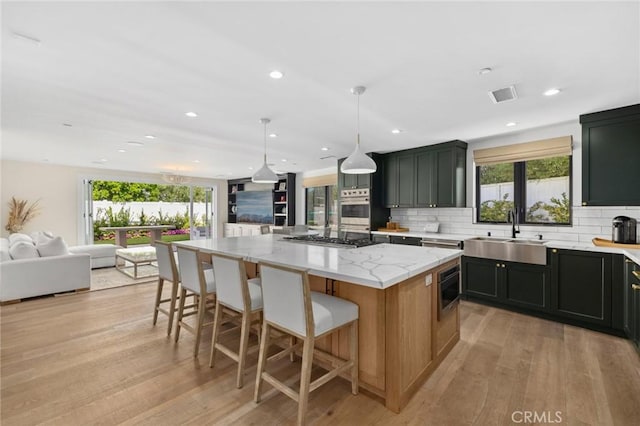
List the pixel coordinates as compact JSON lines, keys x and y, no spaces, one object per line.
{"x":136,"y":256}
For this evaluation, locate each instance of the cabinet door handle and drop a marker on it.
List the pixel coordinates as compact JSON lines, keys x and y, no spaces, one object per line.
{"x":635,"y":286}
{"x":636,"y":273}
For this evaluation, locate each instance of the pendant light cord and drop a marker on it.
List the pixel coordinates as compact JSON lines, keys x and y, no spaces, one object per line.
{"x":265,"y":143}
{"x":358,"y":120}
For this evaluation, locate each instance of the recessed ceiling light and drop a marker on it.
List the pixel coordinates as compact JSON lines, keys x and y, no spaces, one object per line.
{"x":551,"y":92}
{"x":273,"y":135}
{"x":511,"y":124}
{"x":196,"y":161}
{"x":250,"y":168}
{"x":100,"y":161}
{"x":276,"y":75}
{"x":67,"y":125}
{"x":191,"y":114}
{"x":149,"y":136}
{"x":284,"y":160}
{"x":135,"y":143}
{"x":483,"y":71}
{"x":122,"y":150}
{"x":45,"y":160}
{"x":397,"y":131}
{"x":324,"y":148}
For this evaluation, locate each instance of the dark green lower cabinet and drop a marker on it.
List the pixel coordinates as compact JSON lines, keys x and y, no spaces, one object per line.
{"x":587,"y":288}
{"x":581,"y":286}
{"x":480,"y":278}
{"x":527,"y":285}
{"x":507,"y":283}
{"x":408,"y":241}
{"x":632,"y":302}
{"x":380,"y":238}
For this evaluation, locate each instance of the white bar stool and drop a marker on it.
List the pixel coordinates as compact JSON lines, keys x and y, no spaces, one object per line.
{"x":198,"y":282}
{"x":167,"y":271}
{"x":291,"y":307}
{"x":235,"y":296}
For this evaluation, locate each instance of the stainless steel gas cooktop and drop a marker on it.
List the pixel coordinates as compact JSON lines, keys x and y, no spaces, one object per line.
{"x":331,"y":242}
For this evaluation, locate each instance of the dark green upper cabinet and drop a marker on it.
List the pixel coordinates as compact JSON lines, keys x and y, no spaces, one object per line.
{"x":399,"y":178}
{"x":431,"y":176}
{"x":610,"y":157}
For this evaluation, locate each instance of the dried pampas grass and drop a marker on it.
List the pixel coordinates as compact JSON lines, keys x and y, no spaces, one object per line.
{"x":20,"y":214}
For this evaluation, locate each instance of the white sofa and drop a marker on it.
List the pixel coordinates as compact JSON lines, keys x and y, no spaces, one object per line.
{"x":21,"y":278}
{"x":102,"y":255}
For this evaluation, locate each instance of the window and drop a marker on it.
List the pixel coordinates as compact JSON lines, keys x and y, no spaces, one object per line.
{"x":539,"y":190}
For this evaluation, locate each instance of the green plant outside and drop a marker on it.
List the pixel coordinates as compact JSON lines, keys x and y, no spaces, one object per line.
{"x":147,"y":240}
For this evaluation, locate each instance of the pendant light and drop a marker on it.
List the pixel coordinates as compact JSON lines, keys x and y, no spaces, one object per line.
{"x":358,"y":163}
{"x":265,"y":174}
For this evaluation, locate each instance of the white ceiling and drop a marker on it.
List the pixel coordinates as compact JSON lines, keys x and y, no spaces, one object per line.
{"x":118,"y":71}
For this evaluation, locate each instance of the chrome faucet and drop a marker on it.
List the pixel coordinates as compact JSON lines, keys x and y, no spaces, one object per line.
{"x":512,"y":217}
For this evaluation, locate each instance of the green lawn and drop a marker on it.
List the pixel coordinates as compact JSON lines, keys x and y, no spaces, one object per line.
{"x":147,"y":240}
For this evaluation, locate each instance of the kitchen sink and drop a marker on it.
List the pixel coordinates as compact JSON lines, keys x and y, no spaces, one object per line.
{"x":511,"y":250}
{"x":534,"y":242}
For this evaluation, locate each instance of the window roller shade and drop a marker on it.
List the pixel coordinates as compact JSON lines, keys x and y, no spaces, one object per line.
{"x":535,"y":150}
{"x":324,"y":180}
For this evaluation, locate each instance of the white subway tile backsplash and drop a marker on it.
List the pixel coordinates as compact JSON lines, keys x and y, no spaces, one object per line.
{"x":586,"y":212}
{"x":588,"y":222}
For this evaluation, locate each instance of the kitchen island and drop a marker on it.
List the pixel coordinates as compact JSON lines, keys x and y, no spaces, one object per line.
{"x":402,"y":335}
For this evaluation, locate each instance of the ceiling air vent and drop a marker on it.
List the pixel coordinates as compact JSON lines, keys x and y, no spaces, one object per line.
{"x":503,"y":95}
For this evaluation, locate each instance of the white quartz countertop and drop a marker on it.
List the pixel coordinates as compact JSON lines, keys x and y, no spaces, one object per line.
{"x":378,"y":266}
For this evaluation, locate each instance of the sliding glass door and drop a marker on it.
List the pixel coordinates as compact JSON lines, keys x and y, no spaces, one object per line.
{"x":190,"y":210}
{"x":322,"y":207}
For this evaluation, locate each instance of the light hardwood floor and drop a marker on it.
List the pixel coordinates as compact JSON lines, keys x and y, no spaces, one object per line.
{"x":94,"y":358}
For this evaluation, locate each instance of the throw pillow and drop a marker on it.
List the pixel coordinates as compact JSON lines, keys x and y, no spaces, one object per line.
{"x":23,"y":250}
{"x":14,"y":238}
{"x":40,"y":237}
{"x":54,"y":247}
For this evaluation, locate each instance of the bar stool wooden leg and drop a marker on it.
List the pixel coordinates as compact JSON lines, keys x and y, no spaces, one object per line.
{"x":217,"y":319}
{"x":183,"y":297}
{"x":305,"y":379}
{"x":158,"y":297}
{"x":201,"y":311}
{"x":292,"y":342}
{"x":353,"y":351}
{"x":262,"y":360}
{"x":244,"y":343}
{"x":172,"y":306}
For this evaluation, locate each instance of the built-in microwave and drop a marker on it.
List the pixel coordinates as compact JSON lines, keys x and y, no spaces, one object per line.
{"x":448,"y":289}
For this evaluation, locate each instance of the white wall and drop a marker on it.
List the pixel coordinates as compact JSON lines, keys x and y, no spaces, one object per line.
{"x":59,"y":190}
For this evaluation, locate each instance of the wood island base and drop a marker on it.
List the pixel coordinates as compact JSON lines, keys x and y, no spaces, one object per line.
{"x":401,"y":341}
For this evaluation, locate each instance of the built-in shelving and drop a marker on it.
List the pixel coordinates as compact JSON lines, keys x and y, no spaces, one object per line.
{"x":283,"y":199}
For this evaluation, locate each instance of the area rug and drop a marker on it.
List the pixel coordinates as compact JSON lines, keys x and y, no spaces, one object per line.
{"x":102,"y":278}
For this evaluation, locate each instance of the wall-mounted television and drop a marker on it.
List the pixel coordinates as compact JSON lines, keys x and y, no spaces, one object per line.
{"x":254,"y":207}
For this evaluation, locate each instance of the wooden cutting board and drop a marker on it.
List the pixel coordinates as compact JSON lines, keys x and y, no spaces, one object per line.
{"x":608,"y":243}
{"x":393,"y":230}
